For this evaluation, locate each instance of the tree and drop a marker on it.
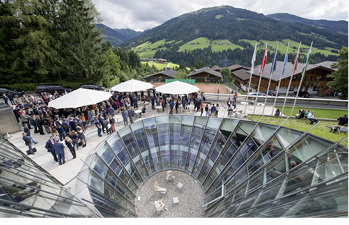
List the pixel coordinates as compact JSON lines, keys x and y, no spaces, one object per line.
{"x":340,"y":76}
{"x":227,"y":74}
{"x":181,"y":74}
{"x":83,"y":52}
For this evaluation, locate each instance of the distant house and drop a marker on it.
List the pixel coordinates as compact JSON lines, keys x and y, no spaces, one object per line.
{"x":161,"y":76}
{"x":216,"y":68}
{"x":205,"y":75}
{"x":314,"y":82}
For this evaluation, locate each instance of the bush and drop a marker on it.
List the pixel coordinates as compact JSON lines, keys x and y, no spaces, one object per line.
{"x":31,"y":86}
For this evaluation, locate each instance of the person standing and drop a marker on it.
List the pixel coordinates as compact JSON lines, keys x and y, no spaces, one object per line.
{"x":131,"y":113}
{"x":171,"y":106}
{"x":124,"y":116}
{"x":81,"y":136}
{"x":69,"y":144}
{"x":177,"y":105}
{"x":49,"y":146}
{"x":98,"y":125}
{"x":206,"y":110}
{"x":152,"y":103}
{"x":59,"y":150}
{"x":27,"y":130}
{"x":135,"y":102}
{"x":28,"y":143}
{"x":75,"y":139}
{"x":38,"y":124}
{"x":217,"y":109}
{"x":5,"y":98}
{"x":10,"y":97}
{"x":213,"y":110}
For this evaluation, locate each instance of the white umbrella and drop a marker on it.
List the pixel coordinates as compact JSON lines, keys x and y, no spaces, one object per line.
{"x":132,"y":86}
{"x":177,"y":88}
{"x":78,"y":98}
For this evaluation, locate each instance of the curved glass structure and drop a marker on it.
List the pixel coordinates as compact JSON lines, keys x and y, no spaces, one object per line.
{"x":246,"y":169}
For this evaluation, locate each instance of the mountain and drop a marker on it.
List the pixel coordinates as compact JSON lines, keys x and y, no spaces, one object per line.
{"x":226,"y":35}
{"x":333,"y":26}
{"x":117,"y":36}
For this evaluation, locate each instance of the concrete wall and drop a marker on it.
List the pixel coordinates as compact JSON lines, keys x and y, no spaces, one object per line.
{"x":8,"y":122}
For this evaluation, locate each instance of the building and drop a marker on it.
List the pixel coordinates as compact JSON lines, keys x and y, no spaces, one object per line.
{"x":314,"y":82}
{"x":245,"y":169}
{"x":161,"y":76}
{"x":205,"y":75}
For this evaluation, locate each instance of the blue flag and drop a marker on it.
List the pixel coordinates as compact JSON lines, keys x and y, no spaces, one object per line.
{"x":273,"y":65}
{"x":285,"y":62}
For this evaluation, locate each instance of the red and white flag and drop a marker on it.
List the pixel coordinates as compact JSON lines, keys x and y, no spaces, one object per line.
{"x":264,"y":61}
{"x":295,"y":61}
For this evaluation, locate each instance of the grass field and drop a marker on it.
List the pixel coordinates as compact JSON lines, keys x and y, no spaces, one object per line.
{"x":220,"y":45}
{"x":198,"y":43}
{"x":320,"y":129}
{"x":319,"y":113}
{"x":161,"y":66}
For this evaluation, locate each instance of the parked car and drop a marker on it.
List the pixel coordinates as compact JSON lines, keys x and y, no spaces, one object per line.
{"x":15,"y":93}
{"x":51,"y":88}
{"x":92,"y":86}
{"x":303,"y":94}
{"x":252,"y":95}
{"x":272,"y":93}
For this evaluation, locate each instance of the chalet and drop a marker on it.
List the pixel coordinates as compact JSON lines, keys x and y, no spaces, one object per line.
{"x":161,"y":76}
{"x":314,"y":82}
{"x":205,"y":75}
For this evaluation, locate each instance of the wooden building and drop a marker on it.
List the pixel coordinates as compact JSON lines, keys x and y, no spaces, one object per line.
{"x":205,"y":75}
{"x":314,"y":82}
{"x":161,"y":76}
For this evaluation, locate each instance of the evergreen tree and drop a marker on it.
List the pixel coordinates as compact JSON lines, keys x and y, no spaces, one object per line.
{"x":340,"y":81}
{"x":83,"y":53}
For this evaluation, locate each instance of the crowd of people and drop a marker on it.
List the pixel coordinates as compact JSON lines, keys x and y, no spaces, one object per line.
{"x":308,"y":115}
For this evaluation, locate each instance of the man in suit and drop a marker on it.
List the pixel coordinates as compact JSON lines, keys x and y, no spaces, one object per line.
{"x":49,"y":147}
{"x":130,"y":113}
{"x":59,"y":150}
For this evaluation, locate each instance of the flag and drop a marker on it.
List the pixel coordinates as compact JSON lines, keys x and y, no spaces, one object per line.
{"x":253,"y":58}
{"x":307,"y":61}
{"x":285,"y":62}
{"x":273,"y":64}
{"x":295,"y":61}
{"x":264,"y":61}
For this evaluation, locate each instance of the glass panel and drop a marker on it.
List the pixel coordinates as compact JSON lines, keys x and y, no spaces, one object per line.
{"x":115,"y":143}
{"x":228,"y":126}
{"x":305,"y":149}
{"x":106,"y":154}
{"x":287,"y":136}
{"x":214,"y":123}
{"x":98,"y":166}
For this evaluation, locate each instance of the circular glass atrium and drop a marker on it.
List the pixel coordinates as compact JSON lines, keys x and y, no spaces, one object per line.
{"x":245,"y":168}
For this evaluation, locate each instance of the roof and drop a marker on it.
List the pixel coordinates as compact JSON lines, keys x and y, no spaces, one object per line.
{"x":216,"y":68}
{"x":205,"y":70}
{"x":167,"y":72}
{"x":289,"y":69}
{"x":236,"y":67}
{"x":242,"y":73}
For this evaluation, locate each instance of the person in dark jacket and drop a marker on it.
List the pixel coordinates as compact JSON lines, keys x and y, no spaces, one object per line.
{"x":38,"y":124}
{"x":27,"y":130}
{"x":49,"y":147}
{"x":59,"y":150}
{"x":28,"y":142}
{"x":69,"y":144}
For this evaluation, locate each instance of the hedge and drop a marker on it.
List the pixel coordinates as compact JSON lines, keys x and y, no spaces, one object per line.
{"x":31,"y":86}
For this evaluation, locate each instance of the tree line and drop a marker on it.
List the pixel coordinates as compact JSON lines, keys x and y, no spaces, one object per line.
{"x":45,"y":41}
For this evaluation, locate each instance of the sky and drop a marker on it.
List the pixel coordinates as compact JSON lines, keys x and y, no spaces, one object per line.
{"x":141,"y":15}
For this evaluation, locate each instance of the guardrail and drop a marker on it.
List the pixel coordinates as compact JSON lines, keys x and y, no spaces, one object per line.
{"x":309,"y":102}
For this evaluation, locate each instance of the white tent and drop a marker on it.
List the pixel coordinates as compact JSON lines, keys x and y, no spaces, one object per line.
{"x":132,"y":86}
{"x":177,"y":88}
{"x":78,"y":98}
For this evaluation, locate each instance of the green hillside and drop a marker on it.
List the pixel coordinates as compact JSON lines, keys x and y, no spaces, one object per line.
{"x":225,"y":35}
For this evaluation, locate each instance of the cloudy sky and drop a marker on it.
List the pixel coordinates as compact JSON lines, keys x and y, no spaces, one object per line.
{"x":146,"y":14}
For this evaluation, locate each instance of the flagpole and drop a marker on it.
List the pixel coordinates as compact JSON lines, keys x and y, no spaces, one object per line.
{"x":251,"y":72}
{"x":271,"y":74}
{"x":283,"y":72}
{"x":294,"y":70}
{"x":260,"y":75}
{"x":303,"y":74}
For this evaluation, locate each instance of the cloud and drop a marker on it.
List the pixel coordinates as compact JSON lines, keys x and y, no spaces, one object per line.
{"x":147,"y":14}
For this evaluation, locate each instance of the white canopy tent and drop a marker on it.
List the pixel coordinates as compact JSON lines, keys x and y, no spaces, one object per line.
{"x":78,"y":98}
{"x":177,"y":88}
{"x":132,"y":86}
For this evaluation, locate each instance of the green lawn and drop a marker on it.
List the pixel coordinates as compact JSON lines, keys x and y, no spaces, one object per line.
{"x":320,"y":129}
{"x":161,"y":66}
{"x":220,"y":45}
{"x":200,"y":43}
{"x":319,"y":113}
